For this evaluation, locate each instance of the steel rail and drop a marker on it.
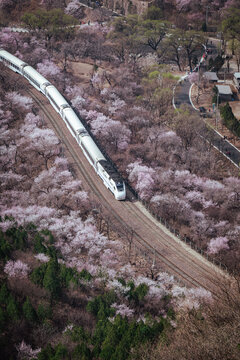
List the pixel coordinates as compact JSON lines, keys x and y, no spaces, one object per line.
{"x":82,"y":168}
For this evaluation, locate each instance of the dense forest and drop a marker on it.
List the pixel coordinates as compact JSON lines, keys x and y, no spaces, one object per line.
{"x":70,"y":288}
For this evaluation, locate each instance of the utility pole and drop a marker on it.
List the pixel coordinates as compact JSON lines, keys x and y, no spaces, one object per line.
{"x":207,"y":7}
{"x":198,"y":82}
{"x":217,"y":110}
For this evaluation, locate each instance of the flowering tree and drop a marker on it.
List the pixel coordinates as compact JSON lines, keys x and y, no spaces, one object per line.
{"x":42,"y":257}
{"x":193,"y":77}
{"x":171,"y":207}
{"x":217,"y":244}
{"x":57,"y":188}
{"x":16,"y":269}
{"x":26,"y":352}
{"x":183,"y":4}
{"x":48,"y":68}
{"x":41,"y":141}
{"x":123,"y":310}
{"x":16,"y":99}
{"x":143,"y":176}
{"x":113,"y":131}
{"x":10,"y":40}
{"x":75,"y":9}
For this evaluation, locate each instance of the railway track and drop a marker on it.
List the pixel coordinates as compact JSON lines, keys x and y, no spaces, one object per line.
{"x":165,"y":250}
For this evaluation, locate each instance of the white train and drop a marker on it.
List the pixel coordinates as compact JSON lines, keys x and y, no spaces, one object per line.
{"x":103,"y":168}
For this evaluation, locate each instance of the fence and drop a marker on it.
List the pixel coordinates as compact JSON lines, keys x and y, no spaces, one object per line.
{"x":185,"y":239}
{"x":163,"y":221}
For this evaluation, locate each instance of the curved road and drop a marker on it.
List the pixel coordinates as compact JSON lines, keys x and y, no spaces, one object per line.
{"x":181,"y":96}
{"x":158,"y":244}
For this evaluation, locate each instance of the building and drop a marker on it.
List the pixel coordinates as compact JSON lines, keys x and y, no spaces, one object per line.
{"x":211,"y":76}
{"x":236,"y":80}
{"x":224,"y":92}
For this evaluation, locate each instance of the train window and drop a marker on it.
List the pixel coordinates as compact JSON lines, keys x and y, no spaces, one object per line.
{"x":82,"y":132}
{"x":120,"y":186}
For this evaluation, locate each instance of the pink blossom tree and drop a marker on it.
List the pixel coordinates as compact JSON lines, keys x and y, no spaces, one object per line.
{"x":10,"y":40}
{"x":77,"y":97}
{"x":42,"y":257}
{"x":16,"y":269}
{"x":75,"y":9}
{"x":123,"y":310}
{"x":57,"y":188}
{"x":117,"y":134}
{"x":26,"y":352}
{"x":48,"y":68}
{"x":41,"y":141}
{"x":39,"y":215}
{"x":193,"y":77}
{"x":217,"y":244}
{"x":144,"y":178}
{"x":19,"y":100}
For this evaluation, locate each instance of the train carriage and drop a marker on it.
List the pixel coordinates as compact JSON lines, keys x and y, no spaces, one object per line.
{"x":36,"y":79}
{"x":56,"y":99}
{"x":73,"y":122}
{"x":12,"y":61}
{"x":103,"y":168}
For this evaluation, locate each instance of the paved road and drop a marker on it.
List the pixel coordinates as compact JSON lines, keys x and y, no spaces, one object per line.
{"x":181,"y":96}
{"x":224,"y":146}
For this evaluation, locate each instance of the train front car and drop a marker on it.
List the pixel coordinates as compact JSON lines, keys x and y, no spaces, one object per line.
{"x":104,"y":169}
{"x":114,"y":181}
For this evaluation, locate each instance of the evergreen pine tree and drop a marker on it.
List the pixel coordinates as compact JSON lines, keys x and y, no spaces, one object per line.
{"x":44,"y":312}
{"x":12,"y":309}
{"x":51,"y":280}
{"x":29,"y":312}
{"x":4,"y":294}
{"x":2,"y":319}
{"x":82,"y":352}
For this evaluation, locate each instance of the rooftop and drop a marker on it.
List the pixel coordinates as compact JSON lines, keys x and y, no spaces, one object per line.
{"x":211,"y":75}
{"x":224,"y":89}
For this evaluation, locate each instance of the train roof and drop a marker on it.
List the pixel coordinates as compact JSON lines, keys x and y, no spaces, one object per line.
{"x":13,"y":59}
{"x":73,"y":119}
{"x":35,"y":74}
{"x":92,"y":149}
{"x":111,"y":171}
{"x":56,"y":96}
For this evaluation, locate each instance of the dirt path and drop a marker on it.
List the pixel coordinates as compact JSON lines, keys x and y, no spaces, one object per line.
{"x":83,"y":71}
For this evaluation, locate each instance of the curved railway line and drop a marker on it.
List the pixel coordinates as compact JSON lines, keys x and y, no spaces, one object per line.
{"x":151,"y":237}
